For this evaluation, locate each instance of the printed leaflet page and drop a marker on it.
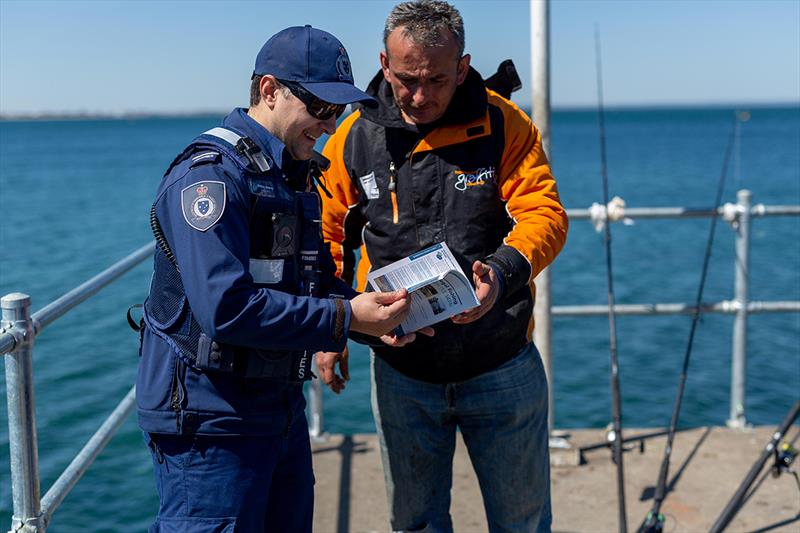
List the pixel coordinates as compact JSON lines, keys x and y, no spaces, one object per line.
{"x":440,"y":288}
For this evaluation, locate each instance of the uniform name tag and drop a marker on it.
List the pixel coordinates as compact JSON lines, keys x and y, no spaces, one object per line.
{"x":266,"y":271}
{"x":370,"y":187}
{"x":262,"y":188}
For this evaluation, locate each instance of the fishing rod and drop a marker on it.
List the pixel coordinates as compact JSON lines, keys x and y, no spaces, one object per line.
{"x":741,"y":495}
{"x":785,"y":455}
{"x":616,"y":407}
{"x":654,"y":521}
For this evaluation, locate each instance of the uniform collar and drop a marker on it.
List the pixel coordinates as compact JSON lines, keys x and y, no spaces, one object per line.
{"x":294,"y":171}
{"x":272,"y":147}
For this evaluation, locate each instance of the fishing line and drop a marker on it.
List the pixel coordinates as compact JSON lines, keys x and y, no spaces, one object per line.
{"x":654,"y":521}
{"x":616,"y":407}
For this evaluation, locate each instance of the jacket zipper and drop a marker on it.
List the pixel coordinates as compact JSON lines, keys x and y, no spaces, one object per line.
{"x":178,"y":394}
{"x":409,"y":157}
{"x":393,"y":190}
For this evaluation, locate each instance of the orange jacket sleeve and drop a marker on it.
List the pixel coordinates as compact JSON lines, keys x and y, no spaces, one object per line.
{"x":529,"y":190}
{"x":345,"y":197}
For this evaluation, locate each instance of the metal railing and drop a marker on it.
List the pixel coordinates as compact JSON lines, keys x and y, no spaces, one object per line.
{"x":739,"y":217}
{"x":19,"y":329}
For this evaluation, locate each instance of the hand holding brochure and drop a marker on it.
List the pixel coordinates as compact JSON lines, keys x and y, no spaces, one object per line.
{"x":441,"y":289}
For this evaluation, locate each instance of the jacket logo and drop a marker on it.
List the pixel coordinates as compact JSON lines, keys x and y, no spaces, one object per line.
{"x":370,"y":186}
{"x":203,"y":203}
{"x":473,"y":178}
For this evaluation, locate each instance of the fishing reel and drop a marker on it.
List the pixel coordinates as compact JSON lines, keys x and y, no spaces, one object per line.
{"x":654,"y":523}
{"x":785,"y":455}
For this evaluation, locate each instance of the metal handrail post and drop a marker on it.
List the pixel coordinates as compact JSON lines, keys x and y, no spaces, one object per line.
{"x":540,"y":94}
{"x":737,"y":419}
{"x":23,"y":447}
{"x":316,"y":423}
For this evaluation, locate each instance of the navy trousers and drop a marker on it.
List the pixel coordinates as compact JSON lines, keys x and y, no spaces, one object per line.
{"x":214,"y":484}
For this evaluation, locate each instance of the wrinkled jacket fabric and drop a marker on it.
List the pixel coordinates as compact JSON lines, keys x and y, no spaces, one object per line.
{"x":247,"y":315}
{"x":477,"y":179}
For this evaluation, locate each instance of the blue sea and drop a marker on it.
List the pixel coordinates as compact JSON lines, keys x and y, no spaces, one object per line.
{"x":74,"y":199}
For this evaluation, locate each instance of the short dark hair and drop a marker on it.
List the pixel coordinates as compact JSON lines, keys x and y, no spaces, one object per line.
{"x":255,"y":90}
{"x":423,"y":20}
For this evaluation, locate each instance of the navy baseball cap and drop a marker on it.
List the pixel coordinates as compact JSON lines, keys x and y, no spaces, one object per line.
{"x":314,"y":59}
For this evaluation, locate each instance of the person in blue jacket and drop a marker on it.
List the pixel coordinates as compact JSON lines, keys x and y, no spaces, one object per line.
{"x":243,"y":293}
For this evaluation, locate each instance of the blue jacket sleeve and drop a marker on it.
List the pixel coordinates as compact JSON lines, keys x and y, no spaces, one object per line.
{"x":214,"y":268}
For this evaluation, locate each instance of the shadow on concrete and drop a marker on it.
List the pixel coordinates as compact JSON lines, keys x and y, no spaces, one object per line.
{"x":346,"y":448}
{"x":776,"y":525}
{"x":649,"y":492}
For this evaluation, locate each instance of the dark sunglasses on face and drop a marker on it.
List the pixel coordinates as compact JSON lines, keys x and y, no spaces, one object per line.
{"x":317,"y":108}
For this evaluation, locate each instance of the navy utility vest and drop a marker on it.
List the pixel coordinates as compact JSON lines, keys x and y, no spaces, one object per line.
{"x":285,"y":246}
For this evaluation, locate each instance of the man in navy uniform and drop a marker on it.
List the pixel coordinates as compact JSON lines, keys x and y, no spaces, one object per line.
{"x":242,"y":295}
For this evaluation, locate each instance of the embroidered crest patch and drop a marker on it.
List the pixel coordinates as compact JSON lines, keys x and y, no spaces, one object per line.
{"x":203,"y":203}
{"x":343,"y":66}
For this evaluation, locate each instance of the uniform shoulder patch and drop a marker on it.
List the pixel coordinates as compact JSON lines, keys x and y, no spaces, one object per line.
{"x":203,"y":203}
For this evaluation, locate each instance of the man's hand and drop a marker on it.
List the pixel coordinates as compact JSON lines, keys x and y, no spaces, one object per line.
{"x":393,"y":340}
{"x":487,"y":287}
{"x":378,"y":313}
{"x":326,"y":364}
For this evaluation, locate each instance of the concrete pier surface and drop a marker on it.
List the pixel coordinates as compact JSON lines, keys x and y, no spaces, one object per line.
{"x":707,"y":466}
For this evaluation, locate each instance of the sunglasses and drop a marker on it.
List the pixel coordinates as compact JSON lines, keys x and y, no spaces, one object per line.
{"x":317,"y":108}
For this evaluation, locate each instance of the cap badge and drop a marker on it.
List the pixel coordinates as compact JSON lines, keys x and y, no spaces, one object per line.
{"x":343,"y":66}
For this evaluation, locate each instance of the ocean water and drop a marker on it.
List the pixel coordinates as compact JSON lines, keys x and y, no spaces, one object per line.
{"x":74,"y":198}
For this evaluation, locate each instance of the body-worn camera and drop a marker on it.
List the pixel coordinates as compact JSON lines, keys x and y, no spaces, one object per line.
{"x":284,"y":235}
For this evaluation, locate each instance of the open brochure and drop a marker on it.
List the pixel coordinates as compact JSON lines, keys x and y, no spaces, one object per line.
{"x":440,"y":288}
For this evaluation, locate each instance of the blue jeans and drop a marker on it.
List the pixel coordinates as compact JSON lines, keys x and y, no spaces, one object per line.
{"x":502,"y":415}
{"x":224,"y":483}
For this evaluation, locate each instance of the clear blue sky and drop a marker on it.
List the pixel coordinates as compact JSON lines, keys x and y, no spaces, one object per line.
{"x":168,"y":56}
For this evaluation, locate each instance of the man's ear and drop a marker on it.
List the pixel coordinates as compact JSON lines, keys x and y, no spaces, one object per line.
{"x":269,"y":90}
{"x":462,"y":69}
{"x":385,"y":65}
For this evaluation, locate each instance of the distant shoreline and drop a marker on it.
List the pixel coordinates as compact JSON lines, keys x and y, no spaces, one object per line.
{"x":82,"y":115}
{"x":146,"y":115}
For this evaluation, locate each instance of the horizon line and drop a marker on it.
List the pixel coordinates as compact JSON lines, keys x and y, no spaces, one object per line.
{"x":122,"y":115}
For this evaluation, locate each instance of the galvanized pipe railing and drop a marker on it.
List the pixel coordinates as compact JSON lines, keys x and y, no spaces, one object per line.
{"x":18,"y":331}
{"x":316,"y":420}
{"x":739,"y":216}
{"x":540,"y":107}
{"x":729,"y":307}
{"x":727,"y":210}
{"x":53,"y":498}
{"x":22,"y":440}
{"x":742,"y":269}
{"x":46,"y":315}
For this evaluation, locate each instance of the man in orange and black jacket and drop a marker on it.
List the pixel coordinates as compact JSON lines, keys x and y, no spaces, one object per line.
{"x":444,"y":159}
